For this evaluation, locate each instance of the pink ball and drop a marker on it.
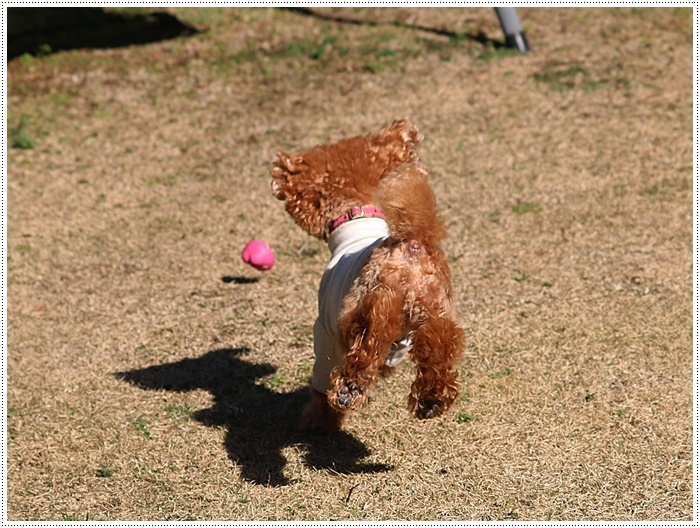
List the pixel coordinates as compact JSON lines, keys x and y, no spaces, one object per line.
{"x":259,"y":255}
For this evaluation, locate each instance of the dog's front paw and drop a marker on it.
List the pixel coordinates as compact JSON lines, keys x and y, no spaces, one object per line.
{"x":346,"y":395}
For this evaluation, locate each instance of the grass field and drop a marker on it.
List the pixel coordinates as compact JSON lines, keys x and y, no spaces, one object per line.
{"x":151,"y":375}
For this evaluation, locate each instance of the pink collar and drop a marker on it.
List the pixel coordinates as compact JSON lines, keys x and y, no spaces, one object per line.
{"x":357,"y":212}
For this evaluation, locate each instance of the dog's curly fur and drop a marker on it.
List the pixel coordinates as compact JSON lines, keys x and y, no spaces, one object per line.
{"x":404,"y":288}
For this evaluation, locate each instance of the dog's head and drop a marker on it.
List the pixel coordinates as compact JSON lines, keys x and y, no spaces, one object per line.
{"x":326,"y":181}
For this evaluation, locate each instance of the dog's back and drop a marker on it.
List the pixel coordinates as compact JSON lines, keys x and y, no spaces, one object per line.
{"x":409,"y":205}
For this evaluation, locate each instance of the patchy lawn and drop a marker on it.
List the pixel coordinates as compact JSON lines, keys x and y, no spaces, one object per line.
{"x":153,"y":376}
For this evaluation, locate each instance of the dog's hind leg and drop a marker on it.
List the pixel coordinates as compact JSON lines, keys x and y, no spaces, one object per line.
{"x":369,"y":326}
{"x":437,"y":349}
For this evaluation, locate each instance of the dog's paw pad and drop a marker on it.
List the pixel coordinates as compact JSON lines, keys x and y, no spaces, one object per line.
{"x":348,"y":395}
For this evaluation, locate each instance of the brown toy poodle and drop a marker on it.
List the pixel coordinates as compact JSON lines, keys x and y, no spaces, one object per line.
{"x":386,"y":293}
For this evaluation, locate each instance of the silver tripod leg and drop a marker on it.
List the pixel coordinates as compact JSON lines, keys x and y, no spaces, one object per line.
{"x":510,"y":23}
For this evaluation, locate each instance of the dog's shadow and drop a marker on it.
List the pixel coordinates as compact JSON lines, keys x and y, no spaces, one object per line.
{"x":259,"y":422}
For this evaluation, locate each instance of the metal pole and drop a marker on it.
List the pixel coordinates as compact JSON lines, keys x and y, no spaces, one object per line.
{"x":510,"y":23}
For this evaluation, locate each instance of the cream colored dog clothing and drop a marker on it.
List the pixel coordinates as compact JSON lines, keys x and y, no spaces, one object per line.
{"x":351,"y":244}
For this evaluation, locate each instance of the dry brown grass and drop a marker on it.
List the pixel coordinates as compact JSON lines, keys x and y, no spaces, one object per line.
{"x":151,"y":375}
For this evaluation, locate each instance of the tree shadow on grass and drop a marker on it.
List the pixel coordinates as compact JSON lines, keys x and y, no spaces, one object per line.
{"x":479,"y":37}
{"x":259,"y":421}
{"x":43,"y":30}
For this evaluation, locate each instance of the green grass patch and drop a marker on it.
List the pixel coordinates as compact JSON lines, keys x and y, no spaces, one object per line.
{"x":560,"y":77}
{"x":18,"y":135}
{"x":104,"y":473}
{"x":141,"y":426}
{"x":374,"y":67}
{"x":658,"y":189}
{"x":251,"y":53}
{"x":525,"y":207}
{"x":275,"y":381}
{"x":491,"y":52}
{"x":501,"y":373}
{"x":179,"y":411}
{"x":464,"y":418}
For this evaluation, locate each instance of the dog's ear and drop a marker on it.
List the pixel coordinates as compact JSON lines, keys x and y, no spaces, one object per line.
{"x":283,"y":167}
{"x":402,"y":137}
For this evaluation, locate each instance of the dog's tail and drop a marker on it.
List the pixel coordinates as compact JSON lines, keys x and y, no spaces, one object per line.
{"x":409,"y":205}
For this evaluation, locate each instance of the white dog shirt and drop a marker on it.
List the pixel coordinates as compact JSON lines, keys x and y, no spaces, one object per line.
{"x":351,"y":244}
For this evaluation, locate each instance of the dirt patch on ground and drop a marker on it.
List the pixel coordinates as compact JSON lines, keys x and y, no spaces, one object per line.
{"x":152,"y":375}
